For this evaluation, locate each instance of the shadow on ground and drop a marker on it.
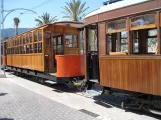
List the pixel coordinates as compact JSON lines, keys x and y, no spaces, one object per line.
{"x":3,"y":94}
{"x":105,"y":100}
{"x":6,"y":119}
{"x":109,"y":101}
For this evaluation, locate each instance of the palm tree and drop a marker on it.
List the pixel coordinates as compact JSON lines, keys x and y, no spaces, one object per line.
{"x":16,"y":22}
{"x":75,"y":10}
{"x":45,"y":19}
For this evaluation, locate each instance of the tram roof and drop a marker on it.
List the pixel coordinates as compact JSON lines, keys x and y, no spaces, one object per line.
{"x":113,"y":6}
{"x":75,"y":24}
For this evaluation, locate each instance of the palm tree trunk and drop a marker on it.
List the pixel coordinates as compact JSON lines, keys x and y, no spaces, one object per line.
{"x":16,"y":30}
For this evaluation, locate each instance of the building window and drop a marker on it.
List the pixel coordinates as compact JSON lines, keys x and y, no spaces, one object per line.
{"x":71,"y":41}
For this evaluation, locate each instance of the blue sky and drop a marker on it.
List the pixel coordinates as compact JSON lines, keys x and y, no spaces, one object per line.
{"x":54,"y":7}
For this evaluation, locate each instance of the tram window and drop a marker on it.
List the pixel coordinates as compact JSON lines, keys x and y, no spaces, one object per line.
{"x":40,"y":47}
{"x":27,"y":49}
{"x":152,"y":41}
{"x":143,"y":20}
{"x":59,"y":45}
{"x":40,"y":36}
{"x":135,"y":35}
{"x":15,"y":42}
{"x":35,"y":48}
{"x":20,"y":40}
{"x":152,"y":32}
{"x":71,"y":41}
{"x":17,"y":50}
{"x":30,"y":37}
{"x":27,"y":39}
{"x":48,"y":38}
{"x":124,"y":42}
{"x":31,"y":48}
{"x":116,"y":25}
{"x":23,"y":39}
{"x":109,"y":43}
{"x":20,"y":49}
{"x":35,"y":36}
{"x":24,"y":49}
{"x":54,"y":43}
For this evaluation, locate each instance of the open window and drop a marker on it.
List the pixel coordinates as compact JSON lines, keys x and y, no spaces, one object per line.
{"x":144,"y":34}
{"x":117,"y":37}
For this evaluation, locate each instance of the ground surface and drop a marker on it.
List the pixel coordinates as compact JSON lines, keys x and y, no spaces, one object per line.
{"x":21,"y":99}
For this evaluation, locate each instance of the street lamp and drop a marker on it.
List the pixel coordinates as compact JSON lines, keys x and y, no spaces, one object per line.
{"x":2,"y":19}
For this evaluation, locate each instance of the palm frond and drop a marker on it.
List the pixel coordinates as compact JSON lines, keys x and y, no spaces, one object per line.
{"x":45,"y":19}
{"x":74,"y":10}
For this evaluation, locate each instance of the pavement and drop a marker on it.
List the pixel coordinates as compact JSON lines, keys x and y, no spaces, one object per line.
{"x":21,"y":99}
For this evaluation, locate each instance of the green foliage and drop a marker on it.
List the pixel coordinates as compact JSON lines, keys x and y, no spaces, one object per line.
{"x":74,"y":10}
{"x":45,"y":19}
{"x":16,"y":22}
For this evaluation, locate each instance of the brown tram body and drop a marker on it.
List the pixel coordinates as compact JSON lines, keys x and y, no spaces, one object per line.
{"x":135,"y":71}
{"x":39,"y":51}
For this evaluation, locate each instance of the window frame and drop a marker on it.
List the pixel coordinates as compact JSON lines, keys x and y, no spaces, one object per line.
{"x":114,"y":31}
{"x":69,"y":44}
{"x":148,"y":26}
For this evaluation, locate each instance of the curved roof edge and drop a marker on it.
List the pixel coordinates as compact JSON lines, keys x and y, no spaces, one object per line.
{"x":75,"y":24}
{"x":114,"y":6}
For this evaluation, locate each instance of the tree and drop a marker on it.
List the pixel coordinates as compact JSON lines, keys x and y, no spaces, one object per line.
{"x":75,"y":10}
{"x":16,"y":23}
{"x":45,"y":19}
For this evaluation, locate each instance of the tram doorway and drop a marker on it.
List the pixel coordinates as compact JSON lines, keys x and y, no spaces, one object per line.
{"x":92,"y":54}
{"x":58,"y":47}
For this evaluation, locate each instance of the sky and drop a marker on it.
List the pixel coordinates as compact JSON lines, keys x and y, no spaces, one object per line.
{"x":54,"y":7}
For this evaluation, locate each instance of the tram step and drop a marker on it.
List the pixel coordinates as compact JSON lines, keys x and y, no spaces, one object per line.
{"x":51,"y":82}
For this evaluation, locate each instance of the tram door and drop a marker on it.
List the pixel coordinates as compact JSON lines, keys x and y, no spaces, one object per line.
{"x":92,"y":54}
{"x":58,"y":47}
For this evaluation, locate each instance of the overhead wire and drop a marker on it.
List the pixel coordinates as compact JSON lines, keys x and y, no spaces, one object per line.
{"x":43,"y":3}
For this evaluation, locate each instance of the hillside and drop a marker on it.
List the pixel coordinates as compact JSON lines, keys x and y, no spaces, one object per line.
{"x":10,"y":32}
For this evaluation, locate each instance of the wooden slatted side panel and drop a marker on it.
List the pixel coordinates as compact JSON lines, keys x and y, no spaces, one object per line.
{"x":33,"y":62}
{"x":139,"y":74}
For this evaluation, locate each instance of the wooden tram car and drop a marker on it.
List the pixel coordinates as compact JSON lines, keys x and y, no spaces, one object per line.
{"x":127,"y":50}
{"x":50,"y":52}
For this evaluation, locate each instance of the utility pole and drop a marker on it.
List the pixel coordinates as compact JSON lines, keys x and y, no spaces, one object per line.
{"x":1,"y":21}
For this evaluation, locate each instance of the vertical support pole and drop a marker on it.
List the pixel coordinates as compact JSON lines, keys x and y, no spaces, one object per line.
{"x":119,"y":41}
{"x":86,"y":53}
{"x":130,"y":43}
{"x":158,"y":33}
{"x":1,"y":21}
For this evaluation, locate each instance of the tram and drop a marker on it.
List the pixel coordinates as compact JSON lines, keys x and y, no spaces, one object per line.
{"x":50,"y":52}
{"x":124,"y":54}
